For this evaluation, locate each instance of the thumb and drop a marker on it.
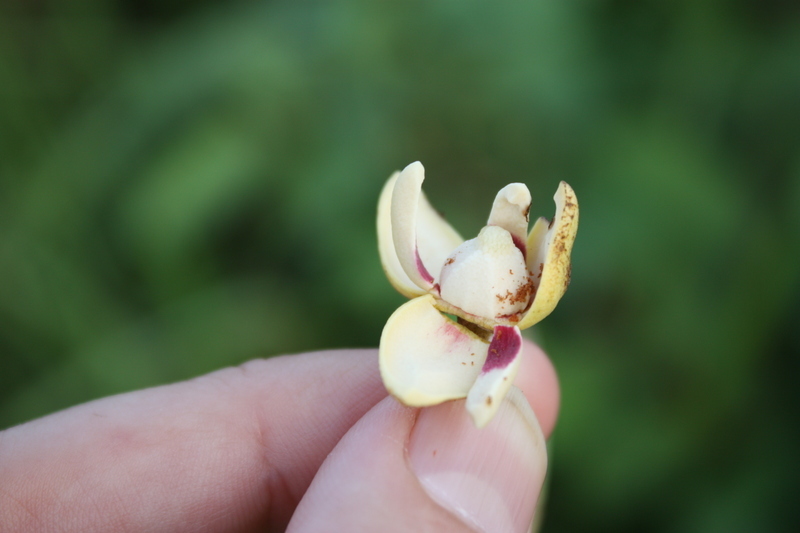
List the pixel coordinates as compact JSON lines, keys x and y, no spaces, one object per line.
{"x":402,"y":469}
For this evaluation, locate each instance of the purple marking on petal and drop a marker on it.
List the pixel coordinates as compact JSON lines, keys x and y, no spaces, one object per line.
{"x":456,"y":336}
{"x":421,"y":268}
{"x":504,"y":348}
{"x":520,"y":244}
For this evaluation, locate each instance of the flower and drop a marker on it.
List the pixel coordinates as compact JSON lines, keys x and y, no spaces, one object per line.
{"x":496,"y":284}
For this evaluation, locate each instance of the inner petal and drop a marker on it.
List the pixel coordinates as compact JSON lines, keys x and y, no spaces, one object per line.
{"x":487,"y":276}
{"x":510,"y":212}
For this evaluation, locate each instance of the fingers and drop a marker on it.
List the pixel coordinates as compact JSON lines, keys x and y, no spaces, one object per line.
{"x":234,"y":450}
{"x":230,"y":451}
{"x":400,"y":469}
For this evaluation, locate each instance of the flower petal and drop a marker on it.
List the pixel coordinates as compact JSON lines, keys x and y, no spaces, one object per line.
{"x":426,"y":358}
{"x":549,"y":248}
{"x":422,"y":238}
{"x":510,"y":211}
{"x":487,"y":276}
{"x":391,"y":264}
{"x":497,"y":375}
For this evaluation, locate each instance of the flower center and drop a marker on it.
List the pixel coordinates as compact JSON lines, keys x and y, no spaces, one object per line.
{"x":487,"y":276}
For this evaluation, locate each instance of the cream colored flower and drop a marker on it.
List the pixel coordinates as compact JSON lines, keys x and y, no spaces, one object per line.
{"x":497,"y":284}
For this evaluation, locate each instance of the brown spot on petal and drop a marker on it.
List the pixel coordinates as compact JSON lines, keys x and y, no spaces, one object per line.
{"x":450,"y":261}
{"x":523,"y":294}
{"x":569,"y":201}
{"x":488,"y":400}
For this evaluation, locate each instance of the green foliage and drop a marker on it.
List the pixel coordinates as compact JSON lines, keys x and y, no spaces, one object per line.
{"x":185,"y":186}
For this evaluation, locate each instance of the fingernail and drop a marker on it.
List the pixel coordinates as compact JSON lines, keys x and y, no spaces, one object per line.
{"x":489,"y":477}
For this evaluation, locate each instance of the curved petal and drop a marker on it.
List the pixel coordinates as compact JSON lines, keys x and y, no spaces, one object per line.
{"x":497,"y":375}
{"x":391,"y":264}
{"x":425,"y":358}
{"x":510,"y":211}
{"x":422,"y":238}
{"x":549,"y":248}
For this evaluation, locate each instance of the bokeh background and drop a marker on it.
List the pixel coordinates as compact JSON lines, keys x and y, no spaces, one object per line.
{"x":187,"y":185}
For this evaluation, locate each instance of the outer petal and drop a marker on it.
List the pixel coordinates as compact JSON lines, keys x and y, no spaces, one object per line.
{"x":497,"y":375}
{"x":391,"y":264}
{"x":422,"y":238}
{"x":510,"y":211}
{"x":549,"y":248}
{"x":426,"y":358}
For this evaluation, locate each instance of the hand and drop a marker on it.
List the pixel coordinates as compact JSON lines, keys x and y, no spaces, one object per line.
{"x":309,"y":440}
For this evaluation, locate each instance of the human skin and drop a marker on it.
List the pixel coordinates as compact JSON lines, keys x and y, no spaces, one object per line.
{"x":310,"y":439}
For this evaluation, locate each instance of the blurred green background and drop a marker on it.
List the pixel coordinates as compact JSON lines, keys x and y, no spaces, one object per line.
{"x":187,"y":185}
